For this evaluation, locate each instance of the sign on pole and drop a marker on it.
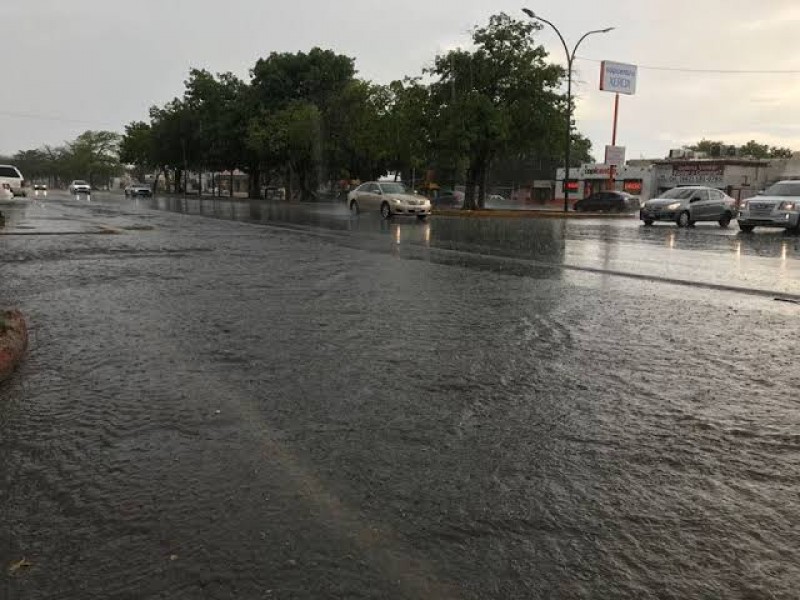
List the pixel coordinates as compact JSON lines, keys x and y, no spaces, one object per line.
{"x":615,"y":156}
{"x":618,"y":77}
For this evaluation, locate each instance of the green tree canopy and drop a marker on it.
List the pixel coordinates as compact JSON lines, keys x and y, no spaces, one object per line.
{"x":497,"y":99}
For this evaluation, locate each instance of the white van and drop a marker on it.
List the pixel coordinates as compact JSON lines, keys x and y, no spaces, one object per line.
{"x":10,"y":174}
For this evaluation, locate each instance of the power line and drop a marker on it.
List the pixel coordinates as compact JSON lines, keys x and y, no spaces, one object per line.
{"x":708,"y":71}
{"x":20,"y":115}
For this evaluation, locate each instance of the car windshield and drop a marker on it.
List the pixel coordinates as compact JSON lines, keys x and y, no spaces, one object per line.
{"x":784,"y":189}
{"x":393,"y":188}
{"x":679,"y":194}
{"x":79,"y":182}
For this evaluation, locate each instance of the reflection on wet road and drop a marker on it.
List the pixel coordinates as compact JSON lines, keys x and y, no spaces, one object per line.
{"x":765,"y":261}
{"x":329,"y":407}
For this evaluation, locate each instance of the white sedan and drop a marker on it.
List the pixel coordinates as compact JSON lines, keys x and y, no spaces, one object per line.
{"x":390,"y":198}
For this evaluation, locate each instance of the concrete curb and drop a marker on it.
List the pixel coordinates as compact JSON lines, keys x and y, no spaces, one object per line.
{"x":13,"y":342}
{"x":527,"y":214}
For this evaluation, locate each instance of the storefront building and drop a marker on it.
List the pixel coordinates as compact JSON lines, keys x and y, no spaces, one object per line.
{"x":591,"y":178}
{"x":739,"y":178}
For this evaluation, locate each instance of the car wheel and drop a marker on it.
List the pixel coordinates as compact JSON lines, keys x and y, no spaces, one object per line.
{"x":648,"y":222}
{"x":354,"y":207}
{"x":725,"y":220}
{"x":386,"y":211}
{"x":684,"y":220}
{"x":746,"y":228}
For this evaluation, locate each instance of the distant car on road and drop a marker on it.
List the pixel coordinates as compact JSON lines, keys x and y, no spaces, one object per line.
{"x":39,"y":187}
{"x":5,"y":191}
{"x":390,"y":198}
{"x":11,"y":175}
{"x":689,"y":205}
{"x":610,"y":201}
{"x":778,"y":206}
{"x":80,"y":187}
{"x":138,"y":189}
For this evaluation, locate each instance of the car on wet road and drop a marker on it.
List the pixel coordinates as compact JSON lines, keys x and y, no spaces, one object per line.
{"x":611,"y":201}
{"x":388,"y":198}
{"x":778,"y":206}
{"x":138,"y":189}
{"x":80,"y":187}
{"x":13,"y":177}
{"x":688,"y":205}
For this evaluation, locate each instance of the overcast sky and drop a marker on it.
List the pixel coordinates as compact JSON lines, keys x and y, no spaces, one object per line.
{"x":72,"y":65}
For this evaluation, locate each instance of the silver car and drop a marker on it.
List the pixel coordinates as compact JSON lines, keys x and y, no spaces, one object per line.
{"x":689,"y":205}
{"x":390,"y":198}
{"x":779,"y":206}
{"x":79,"y":186}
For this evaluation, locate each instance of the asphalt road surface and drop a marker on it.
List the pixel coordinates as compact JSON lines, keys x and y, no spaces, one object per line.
{"x":254,"y":400}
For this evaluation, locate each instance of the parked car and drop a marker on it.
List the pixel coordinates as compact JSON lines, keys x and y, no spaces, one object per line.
{"x":778,"y":206}
{"x":11,"y":175}
{"x":5,"y":191}
{"x":689,"y":205}
{"x":611,"y":201}
{"x":390,"y":198}
{"x":138,"y":189}
{"x":449,"y":199}
{"x":80,"y":187}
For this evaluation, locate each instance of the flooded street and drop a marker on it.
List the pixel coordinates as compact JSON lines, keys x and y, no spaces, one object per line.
{"x":288,"y":401}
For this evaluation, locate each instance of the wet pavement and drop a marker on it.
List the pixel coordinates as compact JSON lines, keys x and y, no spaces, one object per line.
{"x":291,"y":402}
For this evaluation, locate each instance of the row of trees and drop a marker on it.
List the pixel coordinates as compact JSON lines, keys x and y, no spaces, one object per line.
{"x":93,"y":156}
{"x":304,"y":119}
{"x":752,"y":149}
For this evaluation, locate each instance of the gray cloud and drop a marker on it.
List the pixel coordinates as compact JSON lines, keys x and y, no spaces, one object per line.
{"x":102,"y":63}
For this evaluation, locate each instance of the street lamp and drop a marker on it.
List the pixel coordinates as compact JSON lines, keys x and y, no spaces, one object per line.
{"x":570,"y":61}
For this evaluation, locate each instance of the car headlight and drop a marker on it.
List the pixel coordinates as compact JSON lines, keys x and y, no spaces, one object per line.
{"x":396,"y":202}
{"x":792,"y":206}
{"x":674,"y":206}
{"x":744,"y":205}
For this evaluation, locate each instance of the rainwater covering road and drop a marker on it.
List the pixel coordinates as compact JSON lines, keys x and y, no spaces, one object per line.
{"x":319,"y":407}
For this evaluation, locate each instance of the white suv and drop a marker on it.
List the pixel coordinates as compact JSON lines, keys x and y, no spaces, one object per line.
{"x":10,"y":174}
{"x":779,"y":206}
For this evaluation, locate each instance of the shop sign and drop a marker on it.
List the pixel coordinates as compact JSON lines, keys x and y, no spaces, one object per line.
{"x":618,"y":77}
{"x":633,"y":186}
{"x":615,"y":156}
{"x":694,"y":174}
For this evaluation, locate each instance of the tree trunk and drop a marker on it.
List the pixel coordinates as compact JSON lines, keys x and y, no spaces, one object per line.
{"x":231,"y":183}
{"x":469,"y":195}
{"x":289,"y":183}
{"x":254,"y":183}
{"x":482,"y":177}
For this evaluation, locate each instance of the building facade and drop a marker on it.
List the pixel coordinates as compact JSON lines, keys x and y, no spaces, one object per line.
{"x":739,"y":178}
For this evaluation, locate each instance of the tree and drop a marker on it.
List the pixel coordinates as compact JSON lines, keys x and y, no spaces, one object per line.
{"x":94,"y":156}
{"x":751,"y":149}
{"x":319,"y":86}
{"x":498,"y":99}
{"x":291,"y":135}
{"x":136,"y":148}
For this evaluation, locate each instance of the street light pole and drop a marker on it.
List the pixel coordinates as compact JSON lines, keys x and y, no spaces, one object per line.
{"x":570,"y":62}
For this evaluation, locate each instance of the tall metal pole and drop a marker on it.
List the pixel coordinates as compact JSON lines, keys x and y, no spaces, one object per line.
{"x":570,"y":63}
{"x":568,"y":150}
{"x":612,"y":171}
